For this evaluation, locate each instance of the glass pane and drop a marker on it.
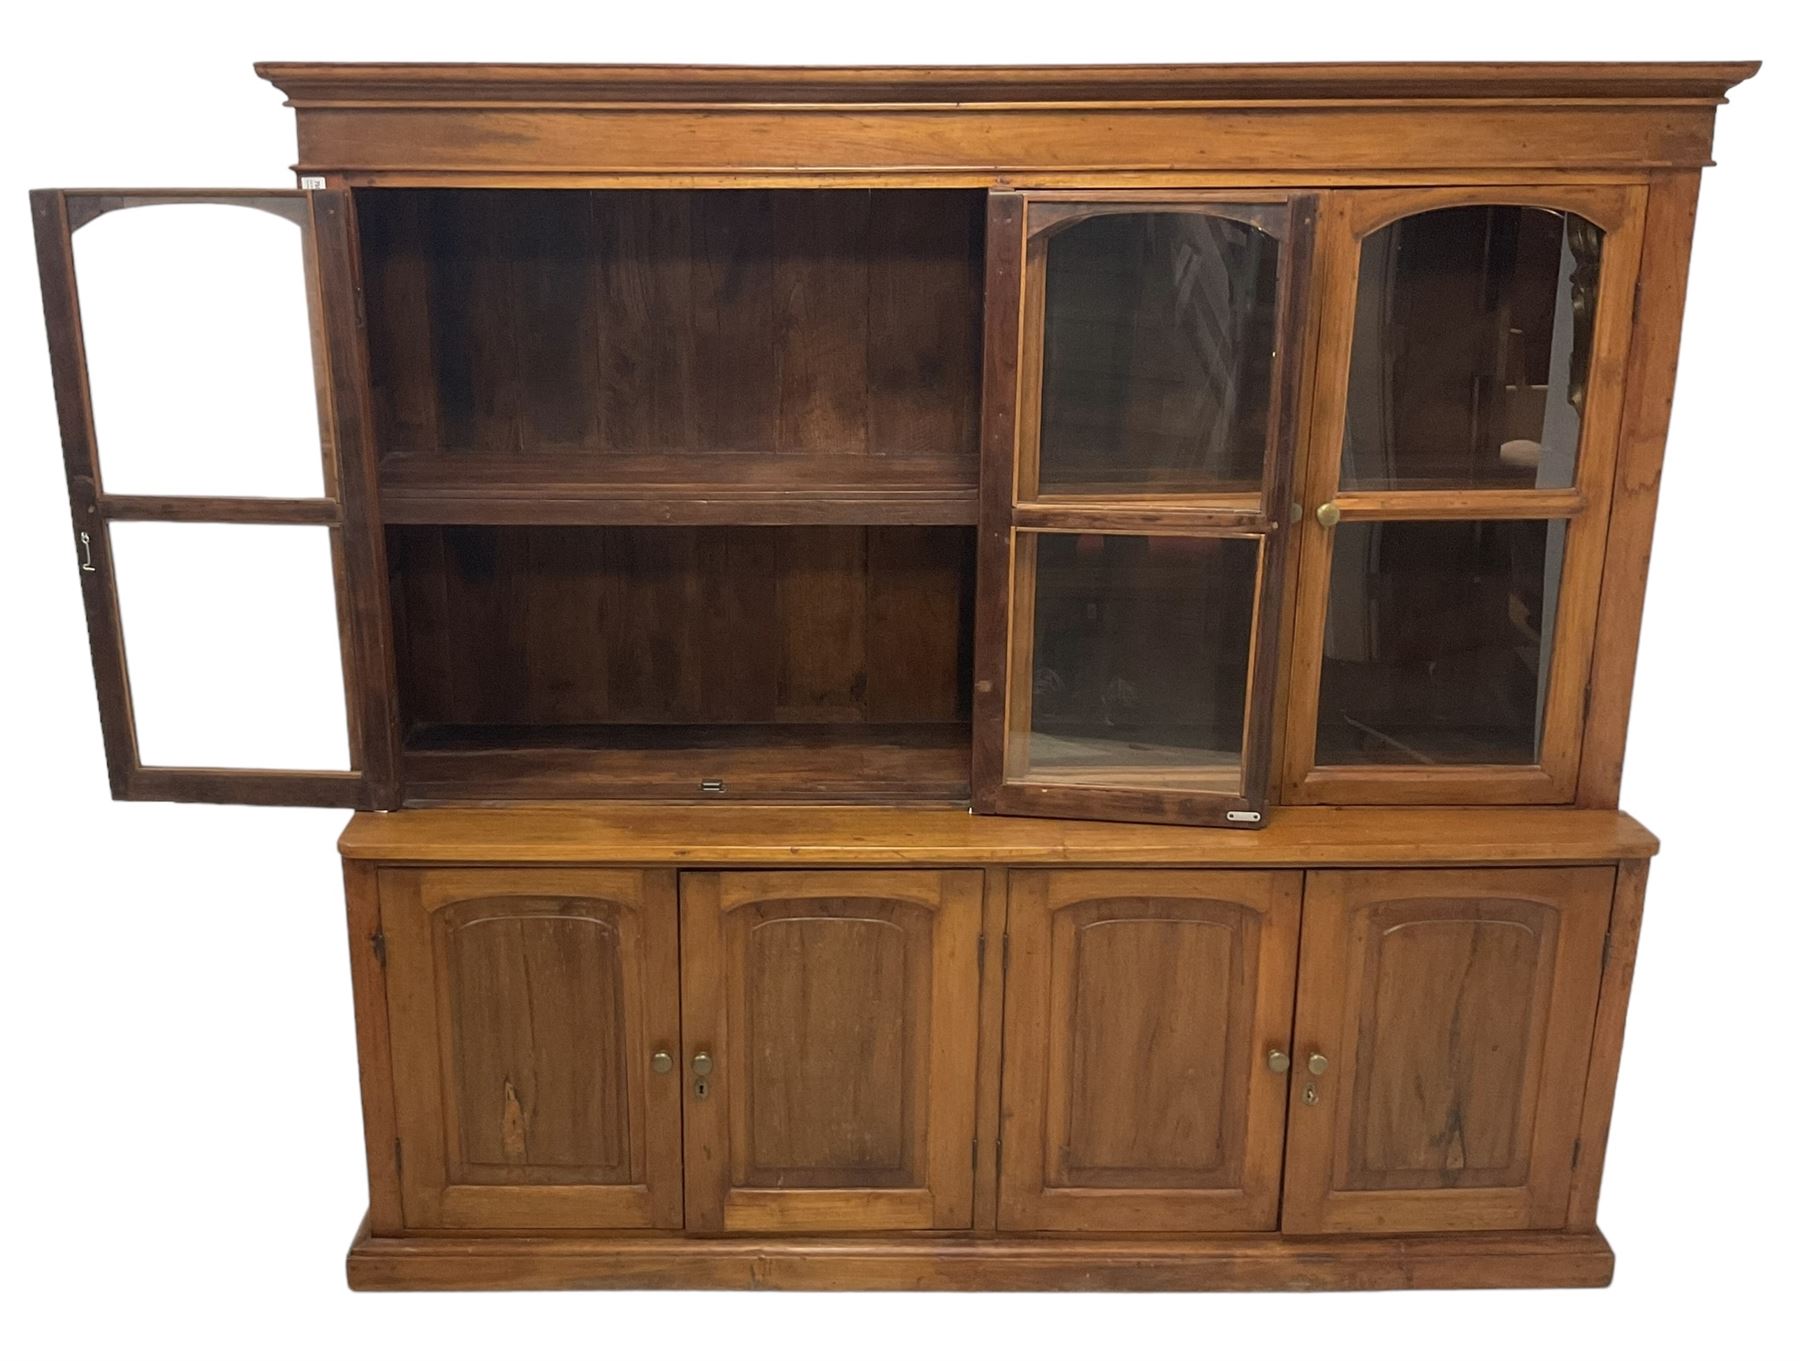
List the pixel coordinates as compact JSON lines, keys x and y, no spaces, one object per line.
{"x":199,"y":351}
{"x":231,"y":643}
{"x":1140,"y":659}
{"x":1159,"y":343}
{"x":1469,"y":363}
{"x":1437,"y":641}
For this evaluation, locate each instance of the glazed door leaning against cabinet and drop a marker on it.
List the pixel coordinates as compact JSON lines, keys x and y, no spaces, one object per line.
{"x":1441,"y":1047}
{"x":1470,"y":381}
{"x":1147,"y":1022}
{"x":830,"y":1021}
{"x":218,"y":524}
{"x":1142,"y":384}
{"x":535,"y":1031}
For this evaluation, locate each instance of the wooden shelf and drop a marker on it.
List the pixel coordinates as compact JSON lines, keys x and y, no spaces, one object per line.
{"x":710,"y":488}
{"x":793,"y":762}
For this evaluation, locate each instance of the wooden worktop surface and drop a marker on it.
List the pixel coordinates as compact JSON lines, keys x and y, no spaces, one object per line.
{"x":713,"y":834}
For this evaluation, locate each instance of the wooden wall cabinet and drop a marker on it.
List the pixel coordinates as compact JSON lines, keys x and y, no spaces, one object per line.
{"x":971,"y":678}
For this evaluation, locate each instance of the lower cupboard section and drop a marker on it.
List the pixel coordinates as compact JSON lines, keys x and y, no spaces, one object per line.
{"x":834,"y":1064}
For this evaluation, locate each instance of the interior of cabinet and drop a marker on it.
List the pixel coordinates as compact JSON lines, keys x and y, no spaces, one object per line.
{"x":805,"y":661}
{"x":668,"y":355}
{"x":679,"y":488}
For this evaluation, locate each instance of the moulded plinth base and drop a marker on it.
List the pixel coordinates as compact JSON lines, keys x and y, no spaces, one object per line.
{"x":1224,"y":1262}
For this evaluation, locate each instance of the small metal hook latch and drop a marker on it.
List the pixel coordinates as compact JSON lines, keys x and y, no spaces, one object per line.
{"x":87,"y":552}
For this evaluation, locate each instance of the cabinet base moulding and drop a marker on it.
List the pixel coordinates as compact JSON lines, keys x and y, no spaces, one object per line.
{"x":1503,"y":1261}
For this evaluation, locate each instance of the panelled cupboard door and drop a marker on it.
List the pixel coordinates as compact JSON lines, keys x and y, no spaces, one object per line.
{"x":535,"y":1029}
{"x":1143,"y":374}
{"x":830,"y":1019}
{"x":1147,"y":1023}
{"x":218,"y":526}
{"x":1441,"y":1047}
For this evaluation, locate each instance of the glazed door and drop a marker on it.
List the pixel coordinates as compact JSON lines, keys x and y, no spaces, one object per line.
{"x":1441,"y":1047}
{"x":1142,"y":382}
{"x":208,"y":371}
{"x":830,"y":1027}
{"x":535,"y":1041}
{"x":1147,"y":1026}
{"x":1470,"y":372}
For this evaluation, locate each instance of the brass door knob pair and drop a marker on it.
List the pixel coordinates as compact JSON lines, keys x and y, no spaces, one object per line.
{"x":1279,"y":1063}
{"x":662,"y":1061}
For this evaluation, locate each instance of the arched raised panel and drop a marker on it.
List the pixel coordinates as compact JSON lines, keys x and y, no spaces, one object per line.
{"x":1151,"y":1090}
{"x":1455,"y":995}
{"x":526,"y":1006}
{"x":834,"y":1068}
{"x":1451,"y":1013}
{"x":534,"y":1012}
{"x":1140,"y":1010}
{"x":837,"y":1010}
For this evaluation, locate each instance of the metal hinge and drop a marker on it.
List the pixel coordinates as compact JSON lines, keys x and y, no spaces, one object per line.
{"x":975,"y":1154}
{"x":1005,"y":952}
{"x":1575,"y":1157}
{"x":1637,"y":300}
{"x":1606,"y":952}
{"x":378,"y":943}
{"x":399,"y":1159}
{"x":980,"y":953}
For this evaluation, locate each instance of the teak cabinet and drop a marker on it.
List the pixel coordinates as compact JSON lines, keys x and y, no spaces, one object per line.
{"x":680,"y":497}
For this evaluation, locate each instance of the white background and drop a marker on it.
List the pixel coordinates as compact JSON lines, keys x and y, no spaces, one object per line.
{"x":180,"y":1148}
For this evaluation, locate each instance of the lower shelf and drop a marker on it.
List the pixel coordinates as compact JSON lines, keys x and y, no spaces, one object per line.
{"x":1234,"y":1262}
{"x":795,"y":763}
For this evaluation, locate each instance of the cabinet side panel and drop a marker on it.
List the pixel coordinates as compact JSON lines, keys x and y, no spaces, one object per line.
{"x":1609,"y":1037}
{"x":1643,"y":432}
{"x":374,"y":1058}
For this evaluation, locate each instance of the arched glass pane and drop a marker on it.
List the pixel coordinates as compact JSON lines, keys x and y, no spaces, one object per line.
{"x":1474,"y":327}
{"x":199,"y":351}
{"x":1159,"y":345}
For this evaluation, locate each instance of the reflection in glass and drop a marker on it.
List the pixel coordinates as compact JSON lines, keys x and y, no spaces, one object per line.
{"x":1437,"y":641}
{"x":1159,"y":340}
{"x":231,"y":645}
{"x":199,"y":351}
{"x":1140,"y":659}
{"x":1469,"y":364}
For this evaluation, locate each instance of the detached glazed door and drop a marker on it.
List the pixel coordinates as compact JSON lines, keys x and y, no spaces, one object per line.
{"x":1441,"y":1047}
{"x":1143,"y":367}
{"x":209,"y":387}
{"x":830,"y":1024}
{"x":1470,"y":369}
{"x":535,"y":1033}
{"x":1147,"y":1023}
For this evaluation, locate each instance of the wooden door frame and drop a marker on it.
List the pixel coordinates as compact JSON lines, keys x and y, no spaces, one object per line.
{"x":1348,"y":217}
{"x":1026,"y":1202}
{"x":346,"y":509}
{"x":1581,"y":896}
{"x":410,"y":899}
{"x":1010,"y":395}
{"x":945,"y":1198}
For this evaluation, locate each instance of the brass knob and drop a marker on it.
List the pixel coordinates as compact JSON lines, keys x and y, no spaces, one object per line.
{"x":1315,"y":1064}
{"x":1278,"y":1061}
{"x":661,"y":1061}
{"x":702,"y":1064}
{"x":1328,"y":514}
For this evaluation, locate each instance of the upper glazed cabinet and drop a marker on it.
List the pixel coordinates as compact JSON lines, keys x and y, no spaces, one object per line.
{"x":1168,"y":505}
